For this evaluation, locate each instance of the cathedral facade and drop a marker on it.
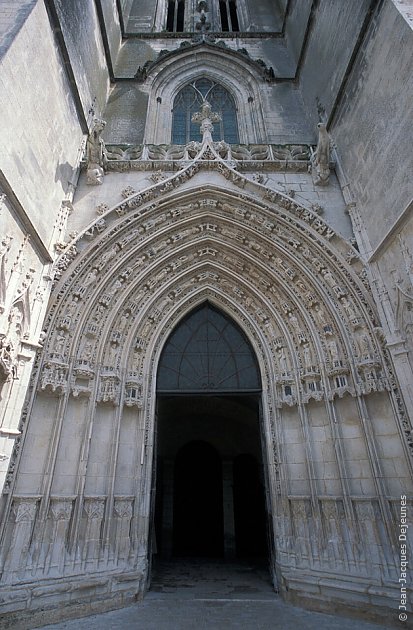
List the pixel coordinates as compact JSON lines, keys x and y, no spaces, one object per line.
{"x":206,"y":298}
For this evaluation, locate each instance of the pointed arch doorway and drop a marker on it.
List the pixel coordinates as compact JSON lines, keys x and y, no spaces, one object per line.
{"x":210,"y":473}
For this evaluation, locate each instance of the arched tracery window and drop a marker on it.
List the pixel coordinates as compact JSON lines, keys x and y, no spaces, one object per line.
{"x":208,"y":352}
{"x":190,"y":99}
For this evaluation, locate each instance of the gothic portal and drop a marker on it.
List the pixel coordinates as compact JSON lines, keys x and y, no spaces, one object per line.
{"x":210,"y":477}
{"x":205,"y":299}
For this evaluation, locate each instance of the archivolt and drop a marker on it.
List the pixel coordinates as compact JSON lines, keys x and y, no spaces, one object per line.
{"x":295,"y":285}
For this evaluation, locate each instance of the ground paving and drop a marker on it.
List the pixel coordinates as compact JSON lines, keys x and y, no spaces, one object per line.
{"x":210,"y":595}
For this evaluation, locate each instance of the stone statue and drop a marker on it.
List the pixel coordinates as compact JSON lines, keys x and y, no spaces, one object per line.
{"x":206,"y":117}
{"x":96,"y":155}
{"x":7,"y":366}
{"x":320,"y":161}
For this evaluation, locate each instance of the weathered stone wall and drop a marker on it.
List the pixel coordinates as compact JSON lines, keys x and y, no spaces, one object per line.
{"x":112,"y":27}
{"x":372,"y":130}
{"x":265,"y":16}
{"x":13,"y":14}
{"x":41,"y":138}
{"x":373,"y":126}
{"x":333,"y":35}
{"x":296,"y":26}
{"x":141,"y":16}
{"x":42,"y":143}
{"x":83,"y":39}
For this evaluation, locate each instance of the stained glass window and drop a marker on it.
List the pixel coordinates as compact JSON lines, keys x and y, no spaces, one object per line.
{"x":208,"y":352}
{"x":190,"y":99}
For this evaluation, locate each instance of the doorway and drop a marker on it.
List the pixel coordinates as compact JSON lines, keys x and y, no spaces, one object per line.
{"x":210,"y":494}
{"x":210,"y":497}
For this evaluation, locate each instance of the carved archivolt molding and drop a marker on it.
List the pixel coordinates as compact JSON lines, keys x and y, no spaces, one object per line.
{"x":295,"y":286}
{"x":301,"y":284}
{"x":286,"y":257}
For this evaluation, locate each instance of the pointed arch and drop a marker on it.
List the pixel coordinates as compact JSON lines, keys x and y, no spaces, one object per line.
{"x":207,"y":352}
{"x":234,"y":72}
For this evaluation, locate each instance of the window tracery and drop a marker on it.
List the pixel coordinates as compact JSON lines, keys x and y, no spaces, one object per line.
{"x":189,"y":101}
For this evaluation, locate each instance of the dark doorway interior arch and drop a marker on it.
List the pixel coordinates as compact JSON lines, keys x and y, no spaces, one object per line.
{"x":197,"y":502}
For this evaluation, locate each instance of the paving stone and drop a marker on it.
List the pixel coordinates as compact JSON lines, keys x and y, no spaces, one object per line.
{"x":198,"y":595}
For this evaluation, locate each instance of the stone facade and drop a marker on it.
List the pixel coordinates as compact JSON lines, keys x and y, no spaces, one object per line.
{"x":275,"y":231}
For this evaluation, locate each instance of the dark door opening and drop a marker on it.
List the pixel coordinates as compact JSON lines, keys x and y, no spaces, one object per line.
{"x":210,"y":498}
{"x":197,"y":502}
{"x":249,"y":508}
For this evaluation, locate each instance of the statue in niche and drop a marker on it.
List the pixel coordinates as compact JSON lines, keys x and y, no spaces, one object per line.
{"x":319,"y":315}
{"x":124,"y":321}
{"x":294,"y":322}
{"x":333,"y":350}
{"x":96,"y":155}
{"x":87,"y":351}
{"x":329,"y":278}
{"x":348,"y":308}
{"x":7,"y":360}
{"x":59,"y":344}
{"x":112,"y":354}
{"x":320,"y":160}
{"x":109,"y":255}
{"x":307,"y":356}
{"x":363,"y":344}
{"x":89,"y":281}
{"x":282,"y":360}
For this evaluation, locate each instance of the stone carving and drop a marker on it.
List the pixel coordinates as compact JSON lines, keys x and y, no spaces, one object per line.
{"x":133,"y":390}
{"x":404,"y":311}
{"x":96,"y":155}
{"x":205,"y":118}
{"x":4,"y":249}
{"x":61,"y":508}
{"x":128,"y":192}
{"x":87,"y":283}
{"x":142,"y":157}
{"x":25,"y":509}
{"x":102,"y":208}
{"x":8,"y":365}
{"x":320,"y":161}
{"x":94,"y":507}
{"x":123,"y":507}
{"x":96,"y":228}
{"x":109,"y":386}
